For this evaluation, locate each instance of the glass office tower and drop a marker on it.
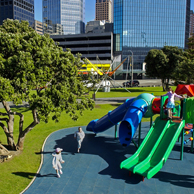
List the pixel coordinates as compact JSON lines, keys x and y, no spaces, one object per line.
{"x":142,"y":25}
{"x":63,"y":16}
{"x":17,"y":9}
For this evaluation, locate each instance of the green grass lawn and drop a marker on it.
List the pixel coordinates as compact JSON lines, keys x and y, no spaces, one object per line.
{"x":132,"y":92}
{"x":17,"y":173}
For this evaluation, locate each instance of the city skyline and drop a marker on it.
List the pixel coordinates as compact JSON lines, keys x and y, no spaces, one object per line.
{"x":57,"y":19}
{"x":89,"y":10}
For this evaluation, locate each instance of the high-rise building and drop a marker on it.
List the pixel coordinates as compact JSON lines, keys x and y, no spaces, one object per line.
{"x":191,"y":26}
{"x":63,"y":16}
{"x":104,"y":10}
{"x":142,"y":25}
{"x":17,"y":9}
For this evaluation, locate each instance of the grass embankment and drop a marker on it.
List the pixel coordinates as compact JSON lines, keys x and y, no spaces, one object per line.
{"x":17,"y":173}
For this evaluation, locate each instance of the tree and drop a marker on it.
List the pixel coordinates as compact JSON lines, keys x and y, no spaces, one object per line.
{"x":34,"y":69}
{"x":184,"y":72}
{"x":162,"y":63}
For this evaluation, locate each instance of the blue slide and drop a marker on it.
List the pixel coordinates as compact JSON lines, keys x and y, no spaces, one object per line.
{"x":129,"y":114}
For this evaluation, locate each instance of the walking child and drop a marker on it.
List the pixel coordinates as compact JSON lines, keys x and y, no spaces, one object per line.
{"x":79,"y":135}
{"x":57,"y":160}
{"x":171,"y":94}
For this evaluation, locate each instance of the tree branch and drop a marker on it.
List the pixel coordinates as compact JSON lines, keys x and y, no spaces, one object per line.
{"x":4,"y":128}
{"x":4,"y":119}
{"x":3,"y":114}
{"x":6,"y":106}
{"x":34,"y":123}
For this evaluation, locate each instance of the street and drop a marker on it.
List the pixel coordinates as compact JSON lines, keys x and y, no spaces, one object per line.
{"x":143,"y":83}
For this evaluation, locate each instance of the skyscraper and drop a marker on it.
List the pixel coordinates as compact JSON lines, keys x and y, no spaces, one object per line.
{"x":191,"y":26}
{"x":142,"y":25}
{"x":104,"y":10}
{"x":17,"y":9}
{"x":63,"y":16}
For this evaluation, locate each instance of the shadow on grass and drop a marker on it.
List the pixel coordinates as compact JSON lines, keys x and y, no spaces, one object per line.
{"x":38,"y":153}
{"x":30,"y":175}
{"x":20,"y":109}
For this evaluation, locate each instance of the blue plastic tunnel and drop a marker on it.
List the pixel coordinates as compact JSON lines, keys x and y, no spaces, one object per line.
{"x":110,"y":119}
{"x":131,"y":121}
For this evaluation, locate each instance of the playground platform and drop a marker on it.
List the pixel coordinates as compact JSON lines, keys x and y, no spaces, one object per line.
{"x":96,"y":170}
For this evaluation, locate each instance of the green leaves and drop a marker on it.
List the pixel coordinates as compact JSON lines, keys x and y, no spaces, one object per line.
{"x":163,"y":63}
{"x":156,"y":63}
{"x":29,"y":61}
{"x":6,"y":90}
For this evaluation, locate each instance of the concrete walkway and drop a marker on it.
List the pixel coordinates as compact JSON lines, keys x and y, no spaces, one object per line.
{"x":96,"y":169}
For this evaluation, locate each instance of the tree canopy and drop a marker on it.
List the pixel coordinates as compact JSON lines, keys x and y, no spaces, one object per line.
{"x":184,"y":72}
{"x":34,"y":69}
{"x":162,"y":63}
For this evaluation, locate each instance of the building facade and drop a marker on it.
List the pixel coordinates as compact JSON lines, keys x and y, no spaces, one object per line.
{"x":63,"y":16}
{"x":91,"y":46}
{"x":191,"y":26}
{"x":104,"y":10}
{"x":142,"y":25}
{"x":37,"y":26}
{"x":97,"y":48}
{"x":98,"y":27}
{"x":17,"y":9}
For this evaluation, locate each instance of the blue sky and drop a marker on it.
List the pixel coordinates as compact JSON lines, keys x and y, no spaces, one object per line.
{"x":89,"y":9}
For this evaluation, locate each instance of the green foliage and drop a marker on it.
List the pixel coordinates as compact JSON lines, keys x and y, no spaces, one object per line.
{"x":162,"y":63}
{"x":156,"y":63}
{"x":31,"y":61}
{"x":184,"y":72}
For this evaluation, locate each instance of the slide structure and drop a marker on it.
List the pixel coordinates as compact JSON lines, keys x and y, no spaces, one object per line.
{"x":129,"y":114}
{"x":159,"y":141}
{"x":155,"y":148}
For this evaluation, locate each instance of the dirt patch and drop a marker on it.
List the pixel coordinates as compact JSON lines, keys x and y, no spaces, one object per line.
{"x":10,"y":156}
{"x":15,"y":153}
{"x":97,"y":106}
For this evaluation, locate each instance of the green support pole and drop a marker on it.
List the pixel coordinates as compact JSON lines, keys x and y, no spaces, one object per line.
{"x":116,"y":131}
{"x":182,"y":144}
{"x":151,"y":121}
{"x":139,"y":139}
{"x":135,"y":144}
{"x":192,"y":141}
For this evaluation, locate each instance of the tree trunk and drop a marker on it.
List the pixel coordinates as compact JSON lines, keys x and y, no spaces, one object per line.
{"x":21,"y":137}
{"x":4,"y":149}
{"x":167,"y":84}
{"x":20,"y":143}
{"x":10,"y":138}
{"x":10,"y":126}
{"x":163,"y":85}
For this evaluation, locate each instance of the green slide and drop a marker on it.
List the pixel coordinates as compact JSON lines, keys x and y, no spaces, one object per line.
{"x":151,"y":139}
{"x":154,"y":150}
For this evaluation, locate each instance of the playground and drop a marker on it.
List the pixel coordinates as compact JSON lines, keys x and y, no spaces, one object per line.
{"x":117,"y":162}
